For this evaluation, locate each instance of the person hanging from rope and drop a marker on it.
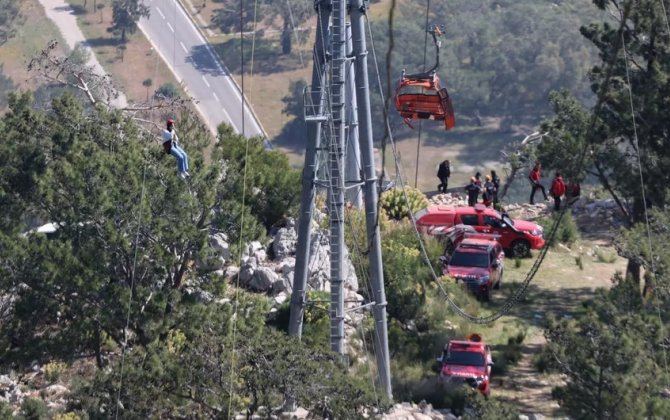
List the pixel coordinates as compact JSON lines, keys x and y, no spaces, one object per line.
{"x":534,"y":178}
{"x":443,"y":173}
{"x":171,"y":147}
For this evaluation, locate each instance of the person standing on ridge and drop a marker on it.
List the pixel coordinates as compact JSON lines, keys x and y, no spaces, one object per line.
{"x":171,"y":147}
{"x":557,"y":190}
{"x":443,"y":173}
{"x":489,"y":191}
{"x":496,"y":184}
{"x":473,"y":191}
{"x":534,"y":178}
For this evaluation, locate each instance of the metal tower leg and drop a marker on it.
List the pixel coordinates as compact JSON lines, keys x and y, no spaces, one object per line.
{"x":353,"y":150}
{"x":308,"y":174}
{"x":336,"y":184}
{"x":370,"y":188}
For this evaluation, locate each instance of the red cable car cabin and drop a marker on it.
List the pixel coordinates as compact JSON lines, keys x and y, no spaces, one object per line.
{"x":422,"y":98}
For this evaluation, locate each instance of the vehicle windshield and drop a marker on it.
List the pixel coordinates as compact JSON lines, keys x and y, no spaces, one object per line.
{"x":419,"y":214}
{"x":505,"y":218}
{"x":469,"y":259}
{"x":465,"y":358}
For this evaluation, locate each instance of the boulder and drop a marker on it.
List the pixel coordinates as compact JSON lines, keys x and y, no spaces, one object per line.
{"x":279,"y":286}
{"x":260,"y":255}
{"x":280,"y":298}
{"x":55,"y":391}
{"x":219,"y":243}
{"x":262,"y":279}
{"x":287,"y":265}
{"x":284,"y":242}
{"x":246,"y":273}
{"x":231,"y":272}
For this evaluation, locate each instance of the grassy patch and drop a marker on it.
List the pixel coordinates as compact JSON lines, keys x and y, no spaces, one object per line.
{"x":27,"y":42}
{"x":130,"y":66}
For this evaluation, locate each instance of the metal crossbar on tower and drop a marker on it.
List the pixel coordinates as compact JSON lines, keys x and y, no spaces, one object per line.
{"x":326,"y":101}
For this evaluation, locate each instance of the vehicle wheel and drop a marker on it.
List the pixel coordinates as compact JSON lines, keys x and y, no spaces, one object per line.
{"x":499,"y":284}
{"x":520,"y":248}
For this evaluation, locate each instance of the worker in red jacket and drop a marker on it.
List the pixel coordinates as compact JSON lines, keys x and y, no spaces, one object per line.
{"x":557,"y":190}
{"x":534,"y":178}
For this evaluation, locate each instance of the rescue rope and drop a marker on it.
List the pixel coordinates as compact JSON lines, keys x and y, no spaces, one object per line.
{"x":242,"y":212}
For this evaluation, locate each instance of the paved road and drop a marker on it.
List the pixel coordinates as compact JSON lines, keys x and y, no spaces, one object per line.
{"x":182,"y":47}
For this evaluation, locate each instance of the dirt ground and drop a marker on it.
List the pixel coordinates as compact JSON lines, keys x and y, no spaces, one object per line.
{"x":558,"y":288}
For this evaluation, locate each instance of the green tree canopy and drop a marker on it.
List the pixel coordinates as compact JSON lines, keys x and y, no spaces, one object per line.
{"x":125,"y":14}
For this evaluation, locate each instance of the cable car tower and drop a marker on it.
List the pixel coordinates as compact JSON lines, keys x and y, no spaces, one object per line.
{"x":331,"y":133}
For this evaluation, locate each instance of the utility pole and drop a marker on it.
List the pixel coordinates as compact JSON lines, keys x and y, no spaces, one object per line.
{"x":360,"y":52}
{"x":315,"y":115}
{"x":353,"y":172}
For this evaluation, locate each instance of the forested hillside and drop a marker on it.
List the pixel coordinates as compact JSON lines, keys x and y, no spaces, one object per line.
{"x":498,"y":58}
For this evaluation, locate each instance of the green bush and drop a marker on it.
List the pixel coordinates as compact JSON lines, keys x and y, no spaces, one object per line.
{"x":567,"y":233}
{"x":579,"y":261}
{"x":33,"y":409}
{"x":603,"y":256}
{"x":53,"y":371}
{"x":166,"y":90}
{"x":395,"y":202}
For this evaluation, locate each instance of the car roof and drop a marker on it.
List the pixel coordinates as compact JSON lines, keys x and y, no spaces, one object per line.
{"x":478,"y":208}
{"x":469,"y":344}
{"x":473,"y":245}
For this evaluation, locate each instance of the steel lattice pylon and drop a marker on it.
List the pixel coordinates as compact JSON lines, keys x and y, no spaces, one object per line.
{"x":326,"y":101}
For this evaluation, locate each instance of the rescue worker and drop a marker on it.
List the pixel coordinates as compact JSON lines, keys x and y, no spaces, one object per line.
{"x":443,"y":173}
{"x":171,"y":147}
{"x":489,"y":191}
{"x":534,"y":178}
{"x":473,"y":191}
{"x":496,"y":183}
{"x":557,"y":190}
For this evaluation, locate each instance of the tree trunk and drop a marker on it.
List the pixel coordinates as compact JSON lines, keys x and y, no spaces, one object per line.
{"x":633,"y":271}
{"x":286,"y":45}
{"x":96,"y":345}
{"x":508,"y":182}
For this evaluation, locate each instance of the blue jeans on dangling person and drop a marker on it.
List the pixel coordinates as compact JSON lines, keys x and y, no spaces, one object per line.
{"x":181,"y":156}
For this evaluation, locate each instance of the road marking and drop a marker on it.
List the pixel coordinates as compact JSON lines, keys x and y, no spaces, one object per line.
{"x":227,"y":78}
{"x":205,"y":80}
{"x":170,"y":26}
{"x":216,"y":97}
{"x":183,"y":47}
{"x":158,"y":9}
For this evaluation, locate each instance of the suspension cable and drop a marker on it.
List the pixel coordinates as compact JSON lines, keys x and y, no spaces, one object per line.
{"x":665,"y":16}
{"x":418,"y":141}
{"x":644,"y":197}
